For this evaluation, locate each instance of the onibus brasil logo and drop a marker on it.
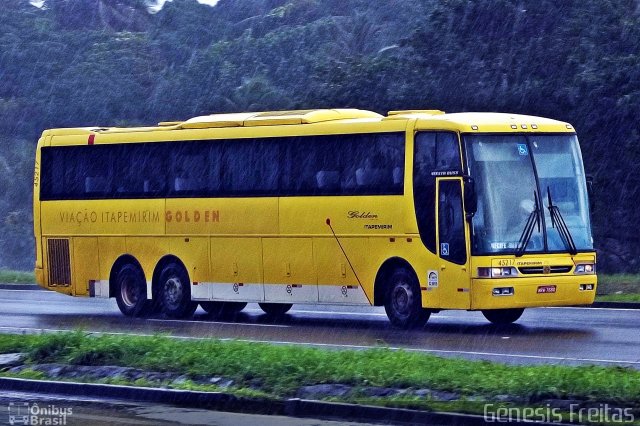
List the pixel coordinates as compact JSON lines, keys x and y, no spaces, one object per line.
{"x":25,"y":413}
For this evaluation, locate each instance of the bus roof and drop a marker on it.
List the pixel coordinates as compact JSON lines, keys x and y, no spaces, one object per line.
{"x":481,"y":122}
{"x":466,"y":122}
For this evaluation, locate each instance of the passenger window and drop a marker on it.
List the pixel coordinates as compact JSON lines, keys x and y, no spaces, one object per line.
{"x":447,"y":152}
{"x":435,"y":154}
{"x":190,"y":168}
{"x":451,"y":222}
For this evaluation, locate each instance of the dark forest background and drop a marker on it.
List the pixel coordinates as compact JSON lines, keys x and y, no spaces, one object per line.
{"x":112,"y":62}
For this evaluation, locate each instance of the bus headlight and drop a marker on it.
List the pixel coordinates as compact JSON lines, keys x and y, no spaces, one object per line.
{"x":502,"y":272}
{"x":585,"y":268}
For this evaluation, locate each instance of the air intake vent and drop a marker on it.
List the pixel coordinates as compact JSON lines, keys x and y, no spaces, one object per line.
{"x":541,"y":270}
{"x":59,"y":262}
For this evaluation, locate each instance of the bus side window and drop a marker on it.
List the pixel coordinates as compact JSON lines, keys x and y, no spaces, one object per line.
{"x":97,"y":183}
{"x":189,"y":171}
{"x":154,"y":171}
{"x":451,"y":222}
{"x":424,"y":162}
{"x":215,"y":168}
{"x":372,"y":172}
{"x":251,"y":168}
{"x":447,"y":152}
{"x":328,"y":180}
{"x":435,"y":154}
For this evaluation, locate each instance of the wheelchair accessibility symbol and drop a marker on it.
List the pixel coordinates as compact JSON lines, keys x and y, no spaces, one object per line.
{"x":444,"y":249}
{"x":522,"y":149}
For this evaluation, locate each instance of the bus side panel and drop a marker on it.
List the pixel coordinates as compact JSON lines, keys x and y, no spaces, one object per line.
{"x":110,"y":249}
{"x":408,"y":248}
{"x":289,"y":273}
{"x":85,"y":264}
{"x":354,"y":219}
{"x":236,"y":269}
{"x":337,"y":282}
{"x":37,"y":230}
{"x":103,"y":217}
{"x":147,"y":251}
{"x":348,"y":215}
{"x":194,"y":254}
{"x":221,"y":216}
{"x":435,"y":293}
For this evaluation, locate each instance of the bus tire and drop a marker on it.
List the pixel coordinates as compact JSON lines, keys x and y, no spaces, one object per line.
{"x":174,"y":292}
{"x":403,"y":302}
{"x":222,"y":309}
{"x":131,"y":291}
{"x":275,"y":309}
{"x":503,"y":316}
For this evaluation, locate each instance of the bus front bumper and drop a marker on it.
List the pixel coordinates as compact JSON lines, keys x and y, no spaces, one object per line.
{"x":562,"y":290}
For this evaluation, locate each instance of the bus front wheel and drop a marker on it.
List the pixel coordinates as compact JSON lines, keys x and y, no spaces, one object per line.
{"x":275,"y":309}
{"x":403,"y":302}
{"x":131,"y":291}
{"x":222,"y":309}
{"x":175,"y":292}
{"x":503,"y":316}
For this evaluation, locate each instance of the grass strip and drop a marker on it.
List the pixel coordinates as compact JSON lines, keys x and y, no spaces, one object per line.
{"x":280,"y":371}
{"x":16,"y":277}
{"x":618,"y":288}
{"x":618,"y":298}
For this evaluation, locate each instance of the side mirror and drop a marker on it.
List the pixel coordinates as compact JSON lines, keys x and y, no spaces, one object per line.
{"x":470,"y":197}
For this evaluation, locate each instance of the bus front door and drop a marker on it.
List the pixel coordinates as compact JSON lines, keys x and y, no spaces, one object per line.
{"x":453,"y":277}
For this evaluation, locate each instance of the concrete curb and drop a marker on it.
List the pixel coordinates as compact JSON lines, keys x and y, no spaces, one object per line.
{"x":616,"y":305}
{"x":226,"y":402}
{"x":184,"y":398}
{"x":6,"y":286}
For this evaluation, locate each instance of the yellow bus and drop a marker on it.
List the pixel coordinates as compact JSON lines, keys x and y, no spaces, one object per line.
{"x":417,"y":211}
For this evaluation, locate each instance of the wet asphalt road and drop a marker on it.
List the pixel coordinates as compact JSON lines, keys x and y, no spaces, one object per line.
{"x":542,"y":336}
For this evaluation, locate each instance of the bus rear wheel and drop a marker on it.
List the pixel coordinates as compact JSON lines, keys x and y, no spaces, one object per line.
{"x":175,"y":292}
{"x":131,"y":291}
{"x":403,"y":302}
{"x":503,"y":316}
{"x":275,"y":309}
{"x":222,"y":309}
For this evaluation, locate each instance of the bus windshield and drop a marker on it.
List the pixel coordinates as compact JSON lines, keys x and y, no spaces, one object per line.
{"x":510,"y":171}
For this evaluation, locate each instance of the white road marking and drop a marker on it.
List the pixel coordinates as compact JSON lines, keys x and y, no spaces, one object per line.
{"x":219,"y":322}
{"x":596,"y":309}
{"x":369,"y":314}
{"x":297,"y":311}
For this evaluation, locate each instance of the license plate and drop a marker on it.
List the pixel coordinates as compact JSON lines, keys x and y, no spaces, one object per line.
{"x":546,"y":289}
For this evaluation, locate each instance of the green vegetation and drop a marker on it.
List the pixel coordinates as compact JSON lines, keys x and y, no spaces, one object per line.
{"x":80,"y":63}
{"x":16,"y":277}
{"x":618,"y":298}
{"x":618,"y":288}
{"x":279,"y":371}
{"x":609,"y":283}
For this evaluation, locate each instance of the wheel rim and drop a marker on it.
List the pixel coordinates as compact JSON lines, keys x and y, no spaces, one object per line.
{"x":173,"y":292}
{"x":129,"y":291}
{"x":401,"y":299}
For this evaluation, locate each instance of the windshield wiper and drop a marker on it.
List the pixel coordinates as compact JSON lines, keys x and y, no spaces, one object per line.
{"x":557,"y":221}
{"x":532,"y":221}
